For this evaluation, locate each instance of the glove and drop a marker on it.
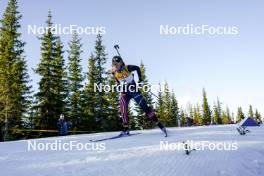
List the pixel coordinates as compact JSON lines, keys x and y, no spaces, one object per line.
{"x":141,"y":83}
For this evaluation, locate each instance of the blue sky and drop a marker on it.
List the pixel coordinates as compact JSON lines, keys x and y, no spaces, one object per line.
{"x":228,"y":66}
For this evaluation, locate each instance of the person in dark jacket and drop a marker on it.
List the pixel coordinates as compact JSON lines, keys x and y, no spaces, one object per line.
{"x":62,"y":126}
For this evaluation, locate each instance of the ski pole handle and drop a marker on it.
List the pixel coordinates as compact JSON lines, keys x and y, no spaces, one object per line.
{"x":117,"y":47}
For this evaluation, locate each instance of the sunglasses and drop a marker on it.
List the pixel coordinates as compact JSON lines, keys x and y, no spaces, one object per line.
{"x":116,"y":60}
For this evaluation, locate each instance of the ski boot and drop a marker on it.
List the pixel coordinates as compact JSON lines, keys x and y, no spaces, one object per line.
{"x":152,"y":115}
{"x":163,"y":129}
{"x":125,"y":131}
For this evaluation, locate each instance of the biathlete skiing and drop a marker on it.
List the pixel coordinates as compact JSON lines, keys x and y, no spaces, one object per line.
{"x":123,"y":76}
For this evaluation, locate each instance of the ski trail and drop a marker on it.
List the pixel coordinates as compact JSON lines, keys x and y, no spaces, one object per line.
{"x":141,"y":155}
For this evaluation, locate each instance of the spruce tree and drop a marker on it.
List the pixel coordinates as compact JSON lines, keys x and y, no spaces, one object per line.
{"x":232,"y":117}
{"x":14,"y":88}
{"x":183,"y":118}
{"x":240,"y":114}
{"x":206,"y":110}
{"x":197,"y":115}
{"x":167,"y":104}
{"x":217,"y":112}
{"x":225,"y":118}
{"x":88,"y":121}
{"x":101,"y":103}
{"x":228,"y":116}
{"x":190,"y":111}
{"x":134,"y":122}
{"x":46,"y":101}
{"x":174,"y":110}
{"x":250,"y":112}
{"x":75,"y":79}
{"x":113,"y":117}
{"x":160,"y":106}
{"x":29,"y":121}
{"x":258,"y":117}
{"x":217,"y":116}
{"x":141,"y":116}
{"x":95,"y":102}
{"x":60,"y":79}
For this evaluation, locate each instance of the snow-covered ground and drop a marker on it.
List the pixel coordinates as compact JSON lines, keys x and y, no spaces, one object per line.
{"x":139,"y":155}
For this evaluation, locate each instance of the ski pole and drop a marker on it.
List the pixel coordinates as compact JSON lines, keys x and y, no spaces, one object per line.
{"x":153,"y":94}
{"x":158,"y":98}
{"x":117,"y":48}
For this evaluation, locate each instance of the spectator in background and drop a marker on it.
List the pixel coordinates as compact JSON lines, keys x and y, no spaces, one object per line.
{"x":62,"y":126}
{"x":189,"y":121}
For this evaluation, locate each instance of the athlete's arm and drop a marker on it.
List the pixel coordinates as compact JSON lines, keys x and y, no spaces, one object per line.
{"x":113,"y":74}
{"x":115,"y":78}
{"x":135,"y":68}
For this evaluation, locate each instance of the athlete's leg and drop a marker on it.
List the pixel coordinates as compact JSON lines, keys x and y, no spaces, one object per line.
{"x":137,"y":96}
{"x":124,"y":101}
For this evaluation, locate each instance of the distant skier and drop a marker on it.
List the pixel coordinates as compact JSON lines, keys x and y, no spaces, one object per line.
{"x":123,"y":76}
{"x":62,"y":126}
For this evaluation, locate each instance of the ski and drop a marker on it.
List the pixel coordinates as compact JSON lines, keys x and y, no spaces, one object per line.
{"x":113,"y":137}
